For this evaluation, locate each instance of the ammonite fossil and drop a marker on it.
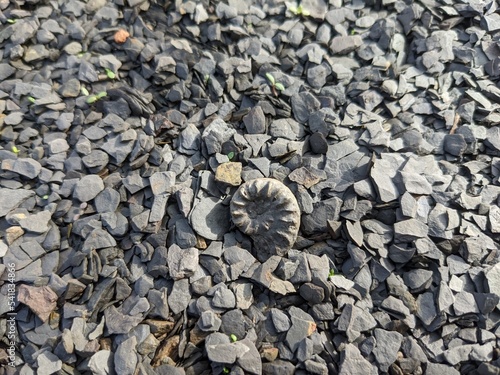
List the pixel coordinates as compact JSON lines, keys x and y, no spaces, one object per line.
{"x":267,"y":211}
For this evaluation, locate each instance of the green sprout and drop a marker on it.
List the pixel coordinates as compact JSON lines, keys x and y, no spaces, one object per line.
{"x":15,"y":150}
{"x":110,"y":73}
{"x":206,"y":79}
{"x":331,"y":273}
{"x":45,"y":197}
{"x":11,"y":20}
{"x":94,"y":98}
{"x":298,"y":10}
{"x":230,"y":155}
{"x":81,"y":54}
{"x":225,"y":370}
{"x":84,"y":91}
{"x":233,"y":337}
{"x":31,"y":99}
{"x":274,"y":85}
{"x":353,"y":32}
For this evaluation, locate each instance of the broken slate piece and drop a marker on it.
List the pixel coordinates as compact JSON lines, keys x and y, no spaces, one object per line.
{"x":182,"y":262}
{"x":40,"y":299}
{"x":10,"y":199}
{"x":25,"y":167}
{"x":416,"y":183}
{"x":88,"y":187}
{"x":386,"y":351}
{"x":210,"y":218}
{"x":409,"y":230}
{"x":255,"y":121}
{"x":342,"y":45}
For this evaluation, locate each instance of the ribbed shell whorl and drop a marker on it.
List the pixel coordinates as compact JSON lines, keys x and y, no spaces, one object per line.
{"x":267,"y":211}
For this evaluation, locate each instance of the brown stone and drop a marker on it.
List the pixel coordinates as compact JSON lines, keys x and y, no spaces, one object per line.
{"x":40,"y":299}
{"x":121,"y":36}
{"x":229,"y":173}
{"x":168,"y":349}
{"x":304,"y":176}
{"x":12,"y":234}
{"x":159,"y":327}
{"x":269,"y":354}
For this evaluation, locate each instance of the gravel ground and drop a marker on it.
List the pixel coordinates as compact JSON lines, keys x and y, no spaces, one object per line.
{"x":249,"y":187}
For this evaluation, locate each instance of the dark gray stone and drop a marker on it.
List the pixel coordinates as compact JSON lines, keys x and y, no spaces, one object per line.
{"x":210,"y":218}
{"x":180,"y":296}
{"x":182,"y":262}
{"x":352,"y":362}
{"x":88,"y":187}
{"x":107,"y":200}
{"x":255,"y":121}
{"x":280,"y":320}
{"x":318,"y":143}
{"x":386,"y":350}
{"x":455,"y":144}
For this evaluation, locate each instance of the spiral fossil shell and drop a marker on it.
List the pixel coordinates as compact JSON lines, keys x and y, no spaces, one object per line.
{"x":267,"y":211}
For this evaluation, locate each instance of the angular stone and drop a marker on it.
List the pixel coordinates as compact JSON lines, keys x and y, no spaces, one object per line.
{"x":416,"y":183}
{"x":88,"y":187}
{"x":37,"y":223}
{"x":162,"y":182}
{"x":353,"y":363}
{"x":426,"y":308}
{"x":28,"y":168}
{"x":388,"y":345}
{"x":180,"y":296}
{"x":409,"y":230}
{"x":119,"y":323}
{"x":182,"y":262}
{"x":229,"y":173}
{"x":40,"y":299}
{"x":210,"y":218}
{"x":255,"y":121}
{"x":355,"y":320}
{"x":342,"y":45}
{"x":125,"y":358}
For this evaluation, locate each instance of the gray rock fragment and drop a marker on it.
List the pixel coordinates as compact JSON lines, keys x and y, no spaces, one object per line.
{"x":210,"y":218}
{"x":353,"y":363}
{"x":180,"y":296}
{"x":388,"y":345}
{"x":182,"y":262}
{"x":88,"y":187}
{"x":125,"y":358}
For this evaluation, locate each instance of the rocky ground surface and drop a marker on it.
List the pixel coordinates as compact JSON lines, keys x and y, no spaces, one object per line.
{"x":128,"y":125}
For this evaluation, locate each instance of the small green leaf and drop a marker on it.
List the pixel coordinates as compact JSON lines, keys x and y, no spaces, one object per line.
{"x":332,"y":273}
{"x":305,"y":13}
{"x":101,"y":94}
{"x":92,"y":99}
{"x":293,"y":9}
{"x":230,"y":155}
{"x":270,"y":78}
{"x":84,"y":91}
{"x":299,"y":10}
{"x":45,"y":197}
{"x":110,"y":73}
{"x":279,"y":86}
{"x":15,"y":150}
{"x":31,"y":99}
{"x":11,"y":20}
{"x":225,"y":370}
{"x":233,"y":337}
